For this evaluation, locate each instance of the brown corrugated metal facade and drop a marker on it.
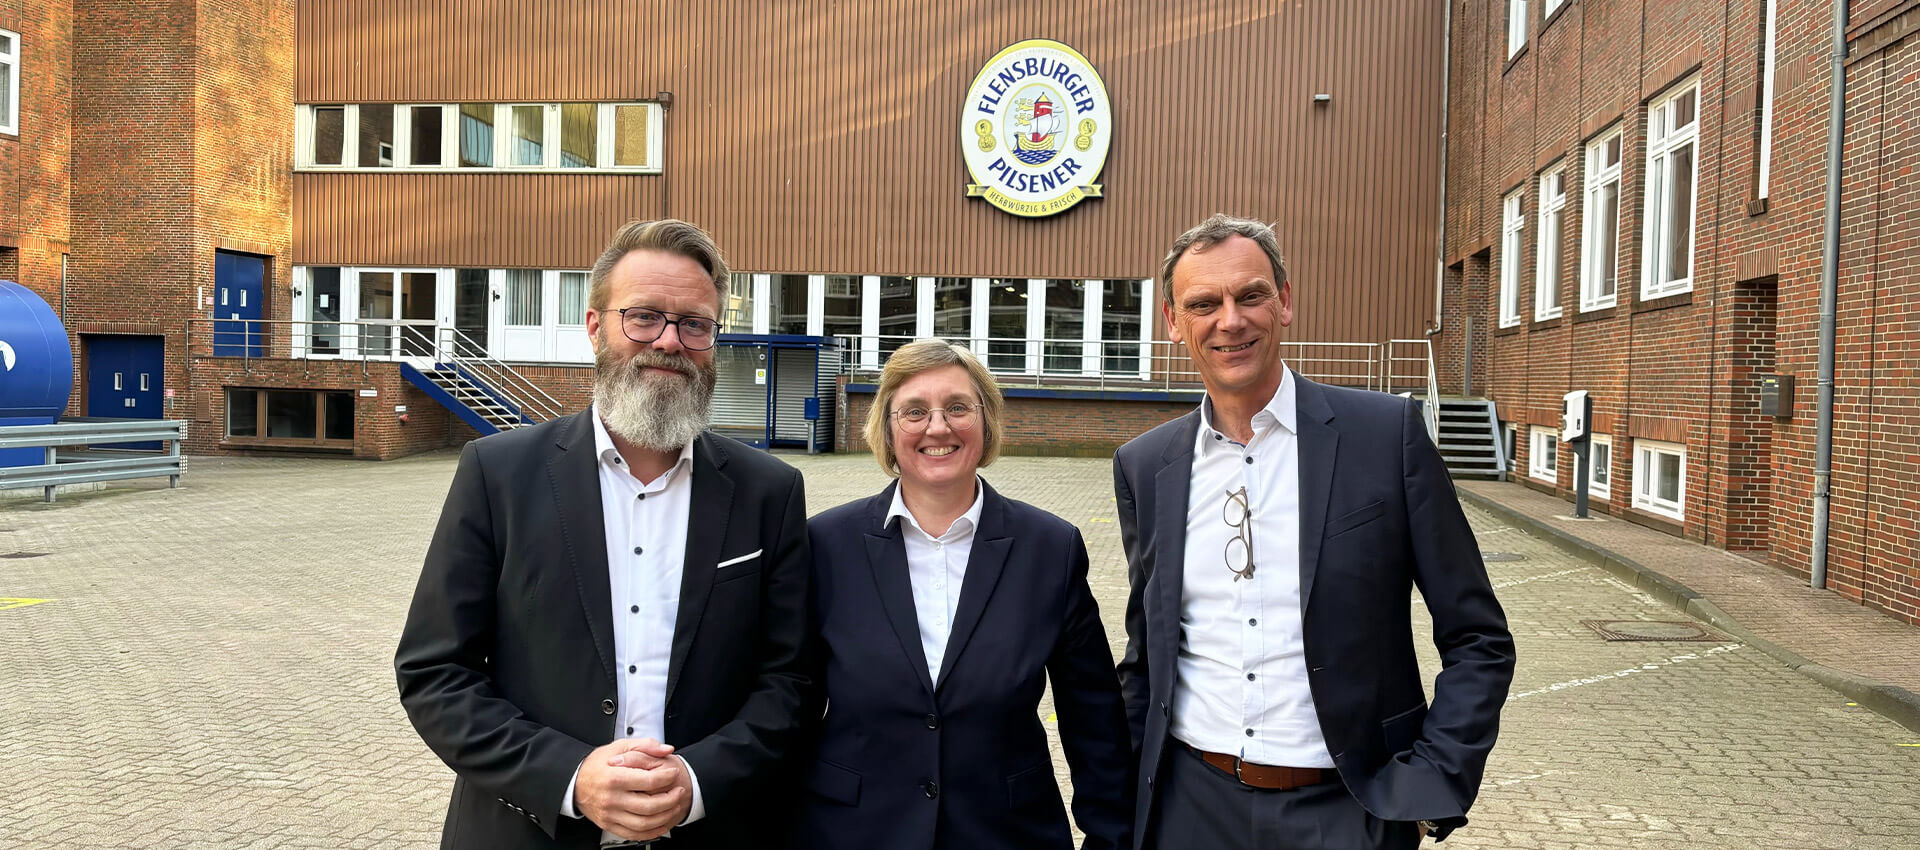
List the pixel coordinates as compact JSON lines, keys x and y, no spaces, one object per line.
{"x":815,"y":137}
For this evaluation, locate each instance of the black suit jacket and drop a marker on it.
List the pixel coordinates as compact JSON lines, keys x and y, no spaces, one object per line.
{"x":506,"y":664}
{"x":906,"y":762}
{"x":1378,"y":518}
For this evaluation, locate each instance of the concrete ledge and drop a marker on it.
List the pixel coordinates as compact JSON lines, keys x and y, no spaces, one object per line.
{"x":1895,"y":703}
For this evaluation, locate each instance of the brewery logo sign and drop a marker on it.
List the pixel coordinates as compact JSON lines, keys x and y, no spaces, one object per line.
{"x":1035,"y":129}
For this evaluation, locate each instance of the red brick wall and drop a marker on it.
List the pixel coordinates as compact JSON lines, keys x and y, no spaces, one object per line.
{"x":378,"y":432}
{"x":1052,"y":426}
{"x":34,"y":220}
{"x":1686,"y":369}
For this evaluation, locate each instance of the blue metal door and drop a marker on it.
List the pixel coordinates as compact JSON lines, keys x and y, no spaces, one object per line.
{"x":125,"y":380}
{"x":237,"y":280}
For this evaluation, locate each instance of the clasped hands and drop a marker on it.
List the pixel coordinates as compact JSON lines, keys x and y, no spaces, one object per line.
{"x":634,"y":788}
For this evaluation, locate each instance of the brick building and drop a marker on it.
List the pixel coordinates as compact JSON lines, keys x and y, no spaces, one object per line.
{"x":1635,"y":207}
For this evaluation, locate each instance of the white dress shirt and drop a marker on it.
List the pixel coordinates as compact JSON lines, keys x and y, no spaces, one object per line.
{"x":646,"y":530}
{"x":1241,"y":683}
{"x":937,"y":567}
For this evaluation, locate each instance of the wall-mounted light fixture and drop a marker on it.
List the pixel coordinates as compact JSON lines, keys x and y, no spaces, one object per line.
{"x":1322,"y":97}
{"x":665,"y":99}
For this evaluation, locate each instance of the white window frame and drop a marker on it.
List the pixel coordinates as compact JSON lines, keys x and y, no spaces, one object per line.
{"x":1509,"y":444}
{"x":1512,"y":231}
{"x":502,"y":139}
{"x":1664,"y":141}
{"x":1601,"y":175}
{"x":1599,"y":472}
{"x":1548,"y":7}
{"x":1537,"y":438}
{"x":10,"y":120}
{"x":1771,"y":9}
{"x":1516,"y":27}
{"x":1645,"y":464}
{"x":1546,"y":276}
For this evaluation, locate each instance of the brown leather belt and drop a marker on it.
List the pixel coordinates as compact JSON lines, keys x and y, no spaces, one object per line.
{"x":1266,"y":776}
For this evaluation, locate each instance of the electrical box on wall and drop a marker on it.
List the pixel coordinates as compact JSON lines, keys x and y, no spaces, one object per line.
{"x":1776,"y":396}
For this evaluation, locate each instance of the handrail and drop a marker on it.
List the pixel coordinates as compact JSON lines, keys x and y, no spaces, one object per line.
{"x":1422,"y":374}
{"x":1080,"y":362}
{"x":464,"y":351}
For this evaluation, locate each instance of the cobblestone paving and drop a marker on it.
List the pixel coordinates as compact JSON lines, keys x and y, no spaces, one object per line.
{"x":212,"y":668}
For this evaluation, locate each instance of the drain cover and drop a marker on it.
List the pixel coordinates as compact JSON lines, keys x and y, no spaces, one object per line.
{"x":1501,"y":557}
{"x":1673,"y":630}
{"x":24,"y":555}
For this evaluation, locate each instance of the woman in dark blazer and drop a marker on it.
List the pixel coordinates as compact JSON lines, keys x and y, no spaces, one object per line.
{"x":944,"y":609}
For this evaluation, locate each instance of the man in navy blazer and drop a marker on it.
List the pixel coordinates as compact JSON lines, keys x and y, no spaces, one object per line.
{"x":1274,"y":537}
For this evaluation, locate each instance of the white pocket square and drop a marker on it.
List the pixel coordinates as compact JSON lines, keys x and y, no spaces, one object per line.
{"x":742,"y":559}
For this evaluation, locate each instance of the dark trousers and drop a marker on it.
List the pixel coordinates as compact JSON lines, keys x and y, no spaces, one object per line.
{"x":1201,"y":806}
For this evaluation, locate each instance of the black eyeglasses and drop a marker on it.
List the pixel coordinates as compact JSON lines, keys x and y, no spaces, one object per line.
{"x":645,"y":324}
{"x":1238,"y":514}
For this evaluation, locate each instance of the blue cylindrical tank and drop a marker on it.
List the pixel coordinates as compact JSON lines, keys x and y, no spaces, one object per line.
{"x":36,"y":366}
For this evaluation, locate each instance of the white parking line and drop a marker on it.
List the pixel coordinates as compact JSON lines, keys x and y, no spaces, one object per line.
{"x":1520,"y":581}
{"x":1630,"y":671}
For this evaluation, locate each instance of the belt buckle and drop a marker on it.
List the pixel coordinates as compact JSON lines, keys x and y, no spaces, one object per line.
{"x":1237,"y":762}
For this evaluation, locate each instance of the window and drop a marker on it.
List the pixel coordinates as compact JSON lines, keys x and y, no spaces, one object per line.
{"x":1600,"y":238}
{"x":1549,"y":7}
{"x":1673,"y":131}
{"x":1063,"y":323}
{"x":1660,"y":478}
{"x":840,"y":311}
{"x":1546,"y":283}
{"x":1007,"y":324}
{"x":1543,"y":453}
{"x":787,"y":304}
{"x":1516,"y":27}
{"x":1510,"y":233}
{"x":1600,"y":466}
{"x":524,"y":293}
{"x":1123,"y":318}
{"x":573,"y":299}
{"x":543,"y":136}
{"x":899,"y":308}
{"x":1771,"y":10}
{"x":9,"y":83}
{"x":1509,"y":444}
{"x":953,"y":309}
{"x":426,"y":135}
{"x":292,"y":418}
{"x":578,"y":136}
{"x":476,"y":135}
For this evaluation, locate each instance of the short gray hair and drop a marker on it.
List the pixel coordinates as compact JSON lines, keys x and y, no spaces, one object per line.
{"x":1218,"y":228}
{"x":668,"y":236}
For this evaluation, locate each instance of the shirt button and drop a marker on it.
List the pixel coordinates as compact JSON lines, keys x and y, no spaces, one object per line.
{"x":1249,"y":458}
{"x":643,"y":497}
{"x":631,"y":668}
{"x":635,"y":609}
{"x":1249,"y":733}
{"x":1249,"y":677}
{"x":629,"y":730}
{"x":639,"y":551}
{"x":1253,"y":621}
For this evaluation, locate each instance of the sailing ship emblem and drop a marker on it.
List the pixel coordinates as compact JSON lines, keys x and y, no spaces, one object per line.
{"x":1035,"y":129}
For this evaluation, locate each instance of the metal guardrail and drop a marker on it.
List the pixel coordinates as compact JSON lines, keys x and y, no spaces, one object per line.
{"x":1120,"y":364}
{"x":85,"y":466}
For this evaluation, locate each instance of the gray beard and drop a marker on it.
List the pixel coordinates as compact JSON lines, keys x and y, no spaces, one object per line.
{"x":661,"y":413}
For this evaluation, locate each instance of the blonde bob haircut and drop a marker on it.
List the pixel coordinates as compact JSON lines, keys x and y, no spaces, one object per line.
{"x":923,"y":355}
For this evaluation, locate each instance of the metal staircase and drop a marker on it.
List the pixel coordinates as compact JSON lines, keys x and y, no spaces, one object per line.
{"x":485,"y":393}
{"x":1469,"y":439}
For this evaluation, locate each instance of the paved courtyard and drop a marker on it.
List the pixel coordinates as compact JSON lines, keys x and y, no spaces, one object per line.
{"x":211,"y":667}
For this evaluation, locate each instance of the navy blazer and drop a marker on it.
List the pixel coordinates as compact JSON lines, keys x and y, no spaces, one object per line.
{"x":906,"y":762}
{"x":1378,"y":516}
{"x":506,"y":663}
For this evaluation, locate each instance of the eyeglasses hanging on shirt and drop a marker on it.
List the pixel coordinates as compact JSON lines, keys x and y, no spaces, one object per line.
{"x":1238,"y":514}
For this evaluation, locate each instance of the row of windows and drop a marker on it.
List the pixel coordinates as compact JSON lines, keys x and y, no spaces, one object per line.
{"x":9,"y":83}
{"x":442,"y":136}
{"x":1667,"y":237}
{"x":1018,"y":325}
{"x":1659,"y":469}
